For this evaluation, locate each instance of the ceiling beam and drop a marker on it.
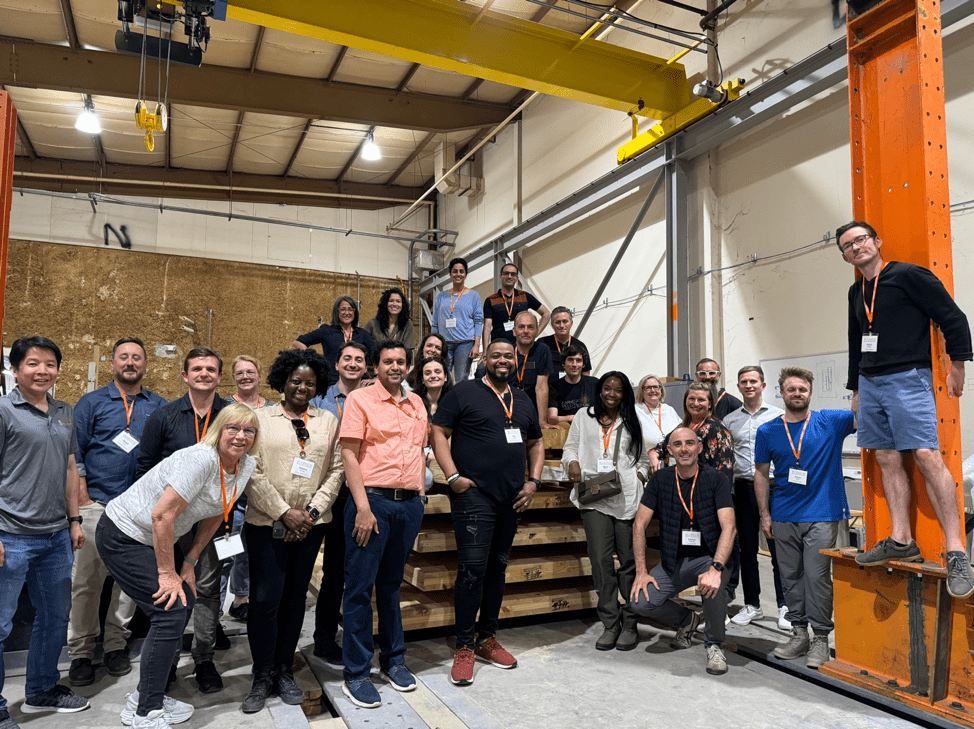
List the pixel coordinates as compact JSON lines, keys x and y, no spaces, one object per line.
{"x":408,"y":77}
{"x":471,"y":89}
{"x":26,"y":143}
{"x":543,"y":11}
{"x":411,"y":158}
{"x":351,"y":160}
{"x":69,"y":27}
{"x":72,"y":177}
{"x":38,"y":65}
{"x":297,"y":147}
{"x":337,"y":64}
{"x":240,"y":117}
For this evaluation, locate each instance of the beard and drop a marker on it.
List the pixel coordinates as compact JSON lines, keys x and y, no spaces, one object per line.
{"x":499,"y":379}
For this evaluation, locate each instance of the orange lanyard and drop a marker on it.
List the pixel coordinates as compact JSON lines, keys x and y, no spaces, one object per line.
{"x":301,"y":441}
{"x":508,"y":411}
{"x":349,"y":335}
{"x":693,"y":488}
{"x":719,"y":398}
{"x":797,"y":453}
{"x":128,"y":411}
{"x":260,"y":401}
{"x":223,"y":490}
{"x":872,"y":306}
{"x":694,"y":428}
{"x":607,"y":438}
{"x":453,"y":302}
{"x":339,"y":408}
{"x":206,"y":424}
{"x":403,"y":410}
{"x":566,"y":346}
{"x":510,"y":309}
{"x":520,"y":370}
{"x":659,"y":417}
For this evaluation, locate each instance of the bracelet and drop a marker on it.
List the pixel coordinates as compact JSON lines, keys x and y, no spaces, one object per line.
{"x":191,"y":562}
{"x":450,"y":480}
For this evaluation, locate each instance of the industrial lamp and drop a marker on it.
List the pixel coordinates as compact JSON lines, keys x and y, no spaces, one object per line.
{"x":87,"y":122}
{"x":370,"y":150}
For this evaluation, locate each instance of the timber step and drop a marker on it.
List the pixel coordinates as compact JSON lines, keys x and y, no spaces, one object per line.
{"x":544,"y":498}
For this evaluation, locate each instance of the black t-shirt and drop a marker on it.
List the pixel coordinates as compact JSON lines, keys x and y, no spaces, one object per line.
{"x":557,"y":349}
{"x":722,"y":500}
{"x":529,"y":369}
{"x":479,"y":445}
{"x":726,"y":403}
{"x":569,"y":398}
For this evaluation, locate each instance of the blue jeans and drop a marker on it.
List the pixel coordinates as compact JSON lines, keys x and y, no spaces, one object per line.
{"x":459,"y":354}
{"x":485,"y":532}
{"x":44,"y":562}
{"x":380,"y":563}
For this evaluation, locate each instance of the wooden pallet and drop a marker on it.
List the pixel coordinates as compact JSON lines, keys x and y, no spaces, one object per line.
{"x":440,"y":538}
{"x":544,"y":498}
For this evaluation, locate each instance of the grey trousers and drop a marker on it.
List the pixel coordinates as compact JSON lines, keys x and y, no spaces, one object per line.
{"x":661,"y":608}
{"x":206,"y":612}
{"x":806,"y":575}
{"x":605,"y":536}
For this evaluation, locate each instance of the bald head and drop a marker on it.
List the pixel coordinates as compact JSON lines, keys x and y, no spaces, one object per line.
{"x":684,"y":446}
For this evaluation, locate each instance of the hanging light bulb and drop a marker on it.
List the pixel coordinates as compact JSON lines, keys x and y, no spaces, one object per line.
{"x":370,"y":150}
{"x":87,"y":122}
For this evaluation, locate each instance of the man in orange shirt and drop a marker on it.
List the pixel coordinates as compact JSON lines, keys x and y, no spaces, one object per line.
{"x":384,"y":431}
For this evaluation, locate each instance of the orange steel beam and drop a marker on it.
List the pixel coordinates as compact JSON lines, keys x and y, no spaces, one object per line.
{"x":8,"y":143}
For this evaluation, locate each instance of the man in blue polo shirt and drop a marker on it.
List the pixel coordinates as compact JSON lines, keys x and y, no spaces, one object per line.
{"x":808,"y":502}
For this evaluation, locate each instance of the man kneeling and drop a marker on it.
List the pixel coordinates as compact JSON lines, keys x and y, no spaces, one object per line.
{"x":697,"y":528}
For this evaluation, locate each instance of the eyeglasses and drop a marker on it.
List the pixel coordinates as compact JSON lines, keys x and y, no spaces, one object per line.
{"x":705,"y":373}
{"x":649,"y":388}
{"x":248,"y":432}
{"x":300,"y":430}
{"x":509,"y":273}
{"x":854,"y":243}
{"x":245,"y":373}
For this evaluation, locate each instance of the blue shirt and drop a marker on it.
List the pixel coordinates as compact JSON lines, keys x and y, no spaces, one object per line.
{"x":822,"y":498}
{"x":333,"y":401}
{"x":467,"y":310}
{"x":99,"y":417}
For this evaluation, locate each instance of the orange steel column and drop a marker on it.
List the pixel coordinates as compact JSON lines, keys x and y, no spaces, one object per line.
{"x":897,"y":631}
{"x":8,"y":141}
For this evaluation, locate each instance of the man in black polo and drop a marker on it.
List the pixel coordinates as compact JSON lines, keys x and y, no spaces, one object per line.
{"x":709,"y":371}
{"x":533,"y":365}
{"x":502,"y":308}
{"x":696,"y":520}
{"x":561,"y":340}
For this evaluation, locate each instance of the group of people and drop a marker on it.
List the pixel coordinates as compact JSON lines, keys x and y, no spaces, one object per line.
{"x":151,"y":493}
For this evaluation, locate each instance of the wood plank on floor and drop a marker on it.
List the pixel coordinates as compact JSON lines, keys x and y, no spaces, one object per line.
{"x":438,"y":572}
{"x":547,"y":497}
{"x":440,"y":538}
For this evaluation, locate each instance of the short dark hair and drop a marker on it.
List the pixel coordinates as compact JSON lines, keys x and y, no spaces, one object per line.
{"x":562,"y":310}
{"x":843,"y":229}
{"x":572,"y":350}
{"x":461,"y":261}
{"x":705,"y":360}
{"x":499,"y":340}
{"x":751,"y":368}
{"x":127,"y":340}
{"x":388,"y":344}
{"x":19,"y":349}
{"x":800,"y":372}
{"x":354,"y":345}
{"x":514,"y":265}
{"x":197,"y":352}
{"x":289,"y":360}
{"x":334,"y":310}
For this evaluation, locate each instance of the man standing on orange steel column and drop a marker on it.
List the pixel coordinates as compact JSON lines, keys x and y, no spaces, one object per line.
{"x":890,"y":311}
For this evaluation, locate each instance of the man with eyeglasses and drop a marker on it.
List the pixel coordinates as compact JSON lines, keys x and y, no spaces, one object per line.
{"x":502,"y":308}
{"x":709,"y":371}
{"x":890,"y":312}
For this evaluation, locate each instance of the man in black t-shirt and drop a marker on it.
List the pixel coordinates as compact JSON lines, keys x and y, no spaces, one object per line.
{"x":484,"y":434}
{"x":502,"y":308}
{"x":574,"y":391}
{"x":558,"y":343}
{"x":696,"y":516}
{"x":708,"y":371}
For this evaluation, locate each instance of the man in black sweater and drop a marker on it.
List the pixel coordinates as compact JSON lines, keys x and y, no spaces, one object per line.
{"x":697,"y":527}
{"x":891,"y":380}
{"x":708,"y":371}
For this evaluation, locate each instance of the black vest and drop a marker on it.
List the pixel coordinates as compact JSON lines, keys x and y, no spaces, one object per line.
{"x":671,"y":510}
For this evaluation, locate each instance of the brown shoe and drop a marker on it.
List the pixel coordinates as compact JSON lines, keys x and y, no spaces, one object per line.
{"x":462,"y":672}
{"x":492,"y":652}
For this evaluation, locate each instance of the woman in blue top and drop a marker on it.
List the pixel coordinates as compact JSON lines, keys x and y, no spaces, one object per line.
{"x":458,"y":316}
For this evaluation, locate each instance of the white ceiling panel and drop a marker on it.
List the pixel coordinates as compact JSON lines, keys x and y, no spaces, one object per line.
{"x":39,"y":20}
{"x":492,"y":91}
{"x":434,"y":81}
{"x":96,"y":22}
{"x":201,"y":137}
{"x":266,"y":143}
{"x":370,"y":69}
{"x":326,"y":149}
{"x":296,"y":55}
{"x":231,"y":43}
{"x":48,"y":118}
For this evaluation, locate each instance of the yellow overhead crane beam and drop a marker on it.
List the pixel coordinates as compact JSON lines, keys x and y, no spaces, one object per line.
{"x":454,"y":36}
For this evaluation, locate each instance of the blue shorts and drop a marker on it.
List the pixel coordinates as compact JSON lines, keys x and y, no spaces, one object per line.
{"x":897,"y":412}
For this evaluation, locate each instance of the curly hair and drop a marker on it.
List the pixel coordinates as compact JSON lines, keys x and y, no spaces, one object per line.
{"x":382,"y":316}
{"x":289,"y":360}
{"x":420,"y":387}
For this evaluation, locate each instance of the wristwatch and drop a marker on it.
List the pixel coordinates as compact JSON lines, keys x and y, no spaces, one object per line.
{"x":718,"y":566}
{"x":313,"y":512}
{"x":75,"y":519}
{"x":535,"y":481}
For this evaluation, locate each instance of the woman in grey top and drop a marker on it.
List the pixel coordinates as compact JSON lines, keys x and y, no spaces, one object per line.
{"x":196,"y":486}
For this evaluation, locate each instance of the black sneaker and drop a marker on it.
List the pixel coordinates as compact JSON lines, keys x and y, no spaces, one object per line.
{"x":207,"y":678}
{"x":118,"y":663}
{"x":6,"y":722}
{"x":81,"y":673}
{"x":239,"y":612}
{"x":330,"y":652}
{"x":222,"y":642}
{"x":58,"y":698}
{"x":259,"y":691}
{"x":887,"y":551}
{"x":286,"y":687}
{"x":960,"y":578}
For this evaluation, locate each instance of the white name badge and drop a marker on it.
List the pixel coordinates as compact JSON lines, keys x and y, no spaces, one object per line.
{"x":797,"y":476}
{"x":125,"y":441}
{"x":451,"y":323}
{"x":870,"y":342}
{"x":513,"y":435}
{"x":508,"y":326}
{"x":604,"y":465}
{"x":691,"y":538}
{"x":302,"y":467}
{"x":561,"y":374}
{"x":228,"y":546}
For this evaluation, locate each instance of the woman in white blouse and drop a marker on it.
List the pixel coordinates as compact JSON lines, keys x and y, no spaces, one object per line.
{"x":590,"y":450}
{"x":656,"y":417}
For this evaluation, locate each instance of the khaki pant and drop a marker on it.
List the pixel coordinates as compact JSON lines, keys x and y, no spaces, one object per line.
{"x":87,"y":580}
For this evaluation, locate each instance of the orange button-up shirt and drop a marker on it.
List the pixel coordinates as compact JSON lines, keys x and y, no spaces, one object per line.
{"x":393,"y":431}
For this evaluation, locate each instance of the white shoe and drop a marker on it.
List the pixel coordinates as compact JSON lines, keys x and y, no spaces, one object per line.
{"x":747,"y":614}
{"x":173,"y":712}
{"x":154,"y":720}
{"x":783,"y":623}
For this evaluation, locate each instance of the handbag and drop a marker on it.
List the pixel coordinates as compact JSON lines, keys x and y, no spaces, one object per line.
{"x":602,"y":485}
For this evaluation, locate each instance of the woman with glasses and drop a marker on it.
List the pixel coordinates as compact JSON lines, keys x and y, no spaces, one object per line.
{"x":290,"y":503}
{"x":343,"y":328}
{"x":392,"y":320}
{"x":656,"y":417}
{"x":195,"y":486}
{"x":246,"y":376}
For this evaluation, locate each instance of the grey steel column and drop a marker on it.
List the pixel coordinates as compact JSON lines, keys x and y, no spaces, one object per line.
{"x":677,"y":264}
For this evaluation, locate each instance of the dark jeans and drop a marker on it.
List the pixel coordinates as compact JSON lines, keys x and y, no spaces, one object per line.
{"x":379,"y":564}
{"x":134,"y":567}
{"x":605,"y":536}
{"x":279,"y":575}
{"x":485,"y":532}
{"x":328,"y":609}
{"x":206,"y":611}
{"x":748,"y":532}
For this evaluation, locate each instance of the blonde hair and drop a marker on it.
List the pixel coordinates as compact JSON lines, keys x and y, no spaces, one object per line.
{"x":639,"y":388}
{"x":238,"y":413}
{"x":245,"y":358}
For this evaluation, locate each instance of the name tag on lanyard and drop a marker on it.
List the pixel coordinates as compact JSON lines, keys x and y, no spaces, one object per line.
{"x":228,"y":546}
{"x":125,"y":441}
{"x":691,"y":538}
{"x":604,"y":465}
{"x":870,"y":342}
{"x":513,"y":435}
{"x":797,"y":476}
{"x":508,"y":326}
{"x":451,"y":323}
{"x":302,"y":467}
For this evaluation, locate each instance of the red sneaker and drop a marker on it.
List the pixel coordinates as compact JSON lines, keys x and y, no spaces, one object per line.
{"x":462,"y":672}
{"x":490,"y":650}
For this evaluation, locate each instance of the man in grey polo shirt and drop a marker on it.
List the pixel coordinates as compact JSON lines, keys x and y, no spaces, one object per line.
{"x":39,"y":523}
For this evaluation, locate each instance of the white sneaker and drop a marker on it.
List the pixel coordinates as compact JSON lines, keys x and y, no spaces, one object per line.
{"x":173,"y":712}
{"x":747,"y":614}
{"x":154,"y":720}
{"x":783,"y":622}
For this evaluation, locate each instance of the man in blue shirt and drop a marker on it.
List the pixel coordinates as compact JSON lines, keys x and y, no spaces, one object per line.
{"x":109,"y":424}
{"x":808,"y":502}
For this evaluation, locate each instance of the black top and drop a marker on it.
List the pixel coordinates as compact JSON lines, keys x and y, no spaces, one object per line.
{"x":909,"y":297}
{"x":529,"y":369}
{"x":479,"y":445}
{"x":171,"y":428}
{"x":557,"y":349}
{"x":726,"y":403}
{"x":569,"y":398}
{"x":496,"y":309}
{"x":331,"y":338}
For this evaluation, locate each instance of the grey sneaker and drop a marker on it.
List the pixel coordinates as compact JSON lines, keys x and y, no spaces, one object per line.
{"x":960,"y":579}
{"x":6,"y":722}
{"x":716,"y":664}
{"x":58,"y":698}
{"x":685,"y":634}
{"x":607,"y":641}
{"x":173,"y":711}
{"x":796,"y":646}
{"x":818,"y":651}
{"x":888,"y":550}
{"x":153,"y":720}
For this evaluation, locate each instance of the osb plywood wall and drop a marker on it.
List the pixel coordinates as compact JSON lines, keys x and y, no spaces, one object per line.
{"x":84,"y":297}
